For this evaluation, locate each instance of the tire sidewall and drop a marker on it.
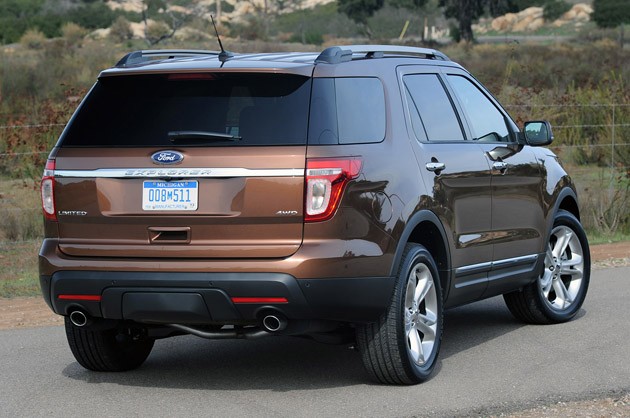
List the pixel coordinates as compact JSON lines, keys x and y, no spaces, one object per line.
{"x":564,"y":218}
{"x":418,"y":254}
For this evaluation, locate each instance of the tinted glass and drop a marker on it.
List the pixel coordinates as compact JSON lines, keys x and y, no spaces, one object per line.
{"x":430,"y":101}
{"x":486,"y":122}
{"x":360,"y":110}
{"x":150,"y":110}
{"x":347,"y":111}
{"x":416,"y":122}
{"x":322,"y":125}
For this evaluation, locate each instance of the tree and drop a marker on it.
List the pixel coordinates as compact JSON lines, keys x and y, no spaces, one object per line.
{"x":612,"y":13}
{"x":360,"y":11}
{"x":465,"y":12}
{"x":468,"y":11}
{"x":162,"y":21}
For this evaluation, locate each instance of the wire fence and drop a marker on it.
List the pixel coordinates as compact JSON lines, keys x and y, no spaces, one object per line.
{"x":585,"y":134}
{"x":594,"y":139}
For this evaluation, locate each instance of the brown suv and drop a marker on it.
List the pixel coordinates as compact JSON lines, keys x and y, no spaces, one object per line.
{"x":347,"y":196}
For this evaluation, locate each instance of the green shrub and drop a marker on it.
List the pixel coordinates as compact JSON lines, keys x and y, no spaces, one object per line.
{"x":33,"y":39}
{"x":21,"y":224}
{"x":73,"y":34}
{"x":120,"y":31}
{"x":553,"y":9}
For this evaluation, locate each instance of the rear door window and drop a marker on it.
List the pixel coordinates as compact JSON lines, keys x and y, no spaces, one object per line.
{"x":431,"y":109}
{"x":209,"y":109}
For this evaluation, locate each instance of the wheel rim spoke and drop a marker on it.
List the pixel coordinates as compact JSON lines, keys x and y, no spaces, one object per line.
{"x":423,"y":287}
{"x":563,"y":299}
{"x":564,"y":237}
{"x":425,"y":326}
{"x":575,"y":260}
{"x":415,"y":345}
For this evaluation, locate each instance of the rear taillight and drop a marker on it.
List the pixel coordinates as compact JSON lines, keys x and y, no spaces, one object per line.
{"x":48,"y":191}
{"x":326,"y":179}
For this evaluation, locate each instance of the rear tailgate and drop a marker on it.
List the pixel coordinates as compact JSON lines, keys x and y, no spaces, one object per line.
{"x":202,"y":165}
{"x":250,"y":203}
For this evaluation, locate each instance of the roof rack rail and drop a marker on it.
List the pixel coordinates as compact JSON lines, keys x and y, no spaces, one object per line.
{"x":338,"y":54}
{"x":136,"y":57}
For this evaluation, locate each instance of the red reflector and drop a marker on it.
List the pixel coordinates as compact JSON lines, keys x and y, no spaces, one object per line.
{"x":191,"y":76}
{"x":92,"y":298}
{"x":260,"y":300}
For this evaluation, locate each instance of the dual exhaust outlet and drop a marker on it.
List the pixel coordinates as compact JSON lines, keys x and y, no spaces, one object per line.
{"x":271,"y":323}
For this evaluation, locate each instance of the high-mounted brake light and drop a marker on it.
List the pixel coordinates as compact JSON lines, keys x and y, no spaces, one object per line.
{"x":326,"y":179}
{"x":48,"y":191}
{"x":191,"y":76}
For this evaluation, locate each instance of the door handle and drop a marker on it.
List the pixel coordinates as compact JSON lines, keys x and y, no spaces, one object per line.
{"x":500,"y":166}
{"x":435,"y":167}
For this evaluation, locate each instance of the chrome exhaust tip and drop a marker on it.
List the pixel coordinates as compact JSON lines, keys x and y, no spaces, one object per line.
{"x":78,"y":318}
{"x":274,"y":323}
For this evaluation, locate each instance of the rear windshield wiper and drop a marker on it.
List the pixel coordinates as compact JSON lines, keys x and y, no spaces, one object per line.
{"x":175,"y":136}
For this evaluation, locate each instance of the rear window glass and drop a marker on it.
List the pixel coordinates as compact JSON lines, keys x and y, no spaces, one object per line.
{"x":209,"y":109}
{"x":347,"y":111}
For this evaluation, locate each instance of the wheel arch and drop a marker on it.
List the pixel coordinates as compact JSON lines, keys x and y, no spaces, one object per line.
{"x":569,"y":203}
{"x":566,"y":200}
{"x":425,"y":228}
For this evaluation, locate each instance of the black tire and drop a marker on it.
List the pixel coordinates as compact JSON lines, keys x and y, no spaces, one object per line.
{"x":385,"y":348}
{"x":107,"y":350}
{"x":567,"y":270}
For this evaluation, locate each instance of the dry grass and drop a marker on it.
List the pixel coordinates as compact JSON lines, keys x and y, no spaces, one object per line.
{"x":18,"y":266}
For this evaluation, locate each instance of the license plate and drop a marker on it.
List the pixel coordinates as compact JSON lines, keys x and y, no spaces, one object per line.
{"x":169,"y":195}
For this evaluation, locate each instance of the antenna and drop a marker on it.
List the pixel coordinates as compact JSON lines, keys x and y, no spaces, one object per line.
{"x":224,"y":55}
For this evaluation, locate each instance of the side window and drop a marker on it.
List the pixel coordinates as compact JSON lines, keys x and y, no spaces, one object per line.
{"x":434,"y":107}
{"x":360,"y":110}
{"x":486,"y":121}
{"x":347,"y":111}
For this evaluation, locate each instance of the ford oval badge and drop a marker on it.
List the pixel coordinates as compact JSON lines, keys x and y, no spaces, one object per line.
{"x":167,"y":157}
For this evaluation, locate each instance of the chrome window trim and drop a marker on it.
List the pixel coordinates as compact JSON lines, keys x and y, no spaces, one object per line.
{"x":196,"y":172}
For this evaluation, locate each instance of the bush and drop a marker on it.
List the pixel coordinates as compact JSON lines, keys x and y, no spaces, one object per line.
{"x":18,"y":224}
{"x":120,"y":31}
{"x":553,"y":9}
{"x":323,"y":19}
{"x":611,"y":13}
{"x":156,"y":31}
{"x":33,"y":39}
{"x":73,"y":34}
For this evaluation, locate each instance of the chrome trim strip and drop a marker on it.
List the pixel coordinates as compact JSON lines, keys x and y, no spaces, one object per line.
{"x":180,"y":172}
{"x":473,"y":268}
{"x":515,"y":261}
{"x":488,"y":266}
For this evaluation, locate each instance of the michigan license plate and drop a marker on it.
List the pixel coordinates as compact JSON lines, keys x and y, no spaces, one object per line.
{"x":169,"y":195}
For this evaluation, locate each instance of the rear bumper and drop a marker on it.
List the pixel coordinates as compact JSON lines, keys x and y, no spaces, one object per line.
{"x":208,"y":298}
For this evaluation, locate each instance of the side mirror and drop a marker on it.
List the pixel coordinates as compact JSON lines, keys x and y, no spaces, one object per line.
{"x":538,"y":133}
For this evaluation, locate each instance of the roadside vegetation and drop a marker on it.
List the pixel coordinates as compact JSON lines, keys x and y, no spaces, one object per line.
{"x":581,"y":87}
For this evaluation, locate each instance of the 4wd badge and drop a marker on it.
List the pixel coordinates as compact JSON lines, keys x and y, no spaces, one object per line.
{"x":167,"y":157}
